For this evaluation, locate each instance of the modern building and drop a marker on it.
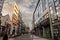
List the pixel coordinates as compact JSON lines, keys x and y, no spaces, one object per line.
{"x":46,"y":18}
{"x":12,"y":10}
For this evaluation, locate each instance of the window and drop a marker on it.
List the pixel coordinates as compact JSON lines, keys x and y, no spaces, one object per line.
{"x":49,"y":1}
{"x":57,"y":2}
{"x":44,"y":4}
{"x":15,"y":11}
{"x":38,"y":14}
{"x":16,"y":7}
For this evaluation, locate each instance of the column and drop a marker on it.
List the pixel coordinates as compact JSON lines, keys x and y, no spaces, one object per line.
{"x":43,"y":31}
{"x":16,"y":29}
{"x":11,"y":30}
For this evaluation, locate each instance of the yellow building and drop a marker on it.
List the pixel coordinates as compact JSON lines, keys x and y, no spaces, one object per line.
{"x":15,"y":13}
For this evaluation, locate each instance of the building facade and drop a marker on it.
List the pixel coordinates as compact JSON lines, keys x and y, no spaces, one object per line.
{"x":5,"y":23}
{"x":46,"y":17}
{"x":1,"y":5}
{"x":12,"y":10}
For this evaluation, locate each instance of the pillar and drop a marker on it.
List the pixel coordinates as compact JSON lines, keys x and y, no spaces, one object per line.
{"x":11,"y":30}
{"x":43,"y":31}
{"x":16,"y":29}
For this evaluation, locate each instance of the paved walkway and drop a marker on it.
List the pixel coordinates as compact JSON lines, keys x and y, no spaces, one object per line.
{"x":24,"y":37}
{"x":0,"y":38}
{"x":38,"y":38}
{"x":9,"y":38}
{"x":27,"y":37}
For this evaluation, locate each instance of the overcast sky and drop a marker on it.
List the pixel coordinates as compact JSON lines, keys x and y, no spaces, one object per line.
{"x":27,"y":7}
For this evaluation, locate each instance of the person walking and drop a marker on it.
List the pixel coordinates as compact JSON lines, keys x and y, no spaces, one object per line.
{"x":5,"y":37}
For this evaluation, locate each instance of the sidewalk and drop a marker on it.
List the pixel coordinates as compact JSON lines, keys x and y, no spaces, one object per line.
{"x":38,"y":38}
{"x":30,"y":37}
{"x":1,"y":38}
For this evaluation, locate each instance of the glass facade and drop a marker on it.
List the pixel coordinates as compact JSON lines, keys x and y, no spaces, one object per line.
{"x":39,"y":17}
{"x":40,"y":9}
{"x":38,"y":12}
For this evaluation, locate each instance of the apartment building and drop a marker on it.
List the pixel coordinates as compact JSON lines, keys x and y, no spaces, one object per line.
{"x":46,"y":18}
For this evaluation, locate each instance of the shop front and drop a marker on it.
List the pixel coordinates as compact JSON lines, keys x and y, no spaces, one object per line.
{"x":46,"y":28}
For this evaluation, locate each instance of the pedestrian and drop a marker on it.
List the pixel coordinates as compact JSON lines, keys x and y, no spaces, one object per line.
{"x":5,"y":37}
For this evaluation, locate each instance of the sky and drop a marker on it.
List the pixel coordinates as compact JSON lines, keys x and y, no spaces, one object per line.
{"x":26,"y":8}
